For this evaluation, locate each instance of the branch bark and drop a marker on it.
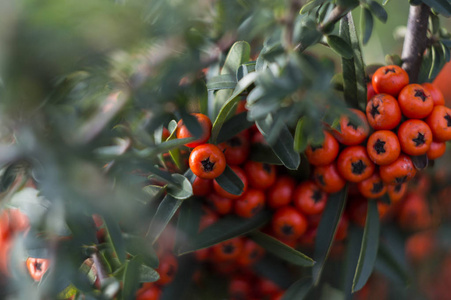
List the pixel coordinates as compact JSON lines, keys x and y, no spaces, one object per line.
{"x":415,"y":40}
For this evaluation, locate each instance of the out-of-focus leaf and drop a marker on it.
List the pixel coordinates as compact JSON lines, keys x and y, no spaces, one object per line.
{"x":298,"y":290}
{"x":366,"y":25}
{"x":239,"y":54}
{"x":305,"y":32}
{"x":224,"y":229}
{"x":434,"y":23}
{"x":283,"y":146}
{"x":274,"y":269}
{"x":136,"y":245}
{"x":147,"y":274}
{"x":300,"y":140}
{"x":369,"y":248}
{"x":188,"y":221}
{"x":340,"y":46}
{"x":264,"y":154}
{"x":281,"y":250}
{"x":441,"y":6}
{"x":309,"y":6}
{"x":379,"y":11}
{"x":182,"y":280}
{"x":387,"y":262}
{"x":438,"y":61}
{"x":165,"y":211}
{"x":245,"y":69}
{"x":326,"y":231}
{"x":242,"y":85}
{"x":114,"y":236}
{"x":447,"y":52}
{"x":223,"y":81}
{"x":130,"y":279}
{"x":230,"y":182}
{"x":192,"y":124}
{"x":233,"y":126}
{"x":182,"y":190}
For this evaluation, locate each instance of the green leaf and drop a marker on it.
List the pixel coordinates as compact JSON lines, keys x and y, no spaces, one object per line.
{"x":230,"y":182}
{"x":366,"y":25}
{"x":438,"y":60}
{"x":275,"y":270}
{"x":281,"y":250}
{"x":114,"y":237}
{"x":369,"y":248}
{"x":355,"y":235}
{"x":379,"y":11}
{"x":309,"y":6}
{"x":245,"y":69}
{"x":136,"y":245}
{"x":385,"y":2}
{"x":340,"y":46}
{"x":192,"y":124}
{"x":165,"y":211}
{"x":224,"y":229}
{"x":163,"y":175}
{"x":326,"y":231}
{"x":130,"y":279}
{"x":241,"y":86}
{"x":283,"y":146}
{"x":264,"y":154}
{"x":447,"y":52}
{"x":441,"y":6}
{"x":220,"y":82}
{"x":147,"y":274}
{"x":182,"y":281}
{"x":305,"y":32}
{"x":298,"y":290}
{"x":388,"y":264}
{"x":188,"y":221}
{"x":300,"y":140}
{"x":434,"y":23}
{"x":353,"y":69}
{"x":182,"y":190}
{"x":233,"y":126}
{"x":239,"y":54}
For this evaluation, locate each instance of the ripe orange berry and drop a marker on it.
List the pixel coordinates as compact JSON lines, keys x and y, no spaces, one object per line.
{"x":372,"y":187}
{"x":328,"y":178}
{"x":396,"y":192}
{"x":324,"y":154}
{"x":252,"y":252}
{"x":207,"y":161}
{"x":383,"y":112}
{"x":415,"y":101}
{"x":228,"y":250}
{"x":250,"y":203}
{"x":281,"y":192}
{"x":309,"y":199}
{"x":236,"y":150}
{"x":437,"y":96}
{"x":399,"y":171}
{"x":415,"y":137}
{"x":351,"y":133}
{"x":183,"y":132}
{"x":37,"y":267}
{"x":436,"y":150}
{"x":202,"y":187}
{"x":440,"y":123}
{"x":414,"y":213}
{"x":383,"y":147}
{"x":390,"y":80}
{"x":260,"y":175}
{"x":219,"y":204}
{"x":288,"y":223}
{"x":149,"y":291}
{"x":223,"y":193}
{"x":354,"y":164}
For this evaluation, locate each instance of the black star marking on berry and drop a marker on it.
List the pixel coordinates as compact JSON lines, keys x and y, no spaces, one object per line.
{"x":207,"y":165}
{"x":358,"y":167}
{"x":398,"y":188}
{"x":314,"y":148}
{"x":350,"y":124}
{"x":421,"y":94}
{"x":374,"y":110}
{"x":377,"y":187}
{"x":287,"y":230}
{"x":267,"y":168}
{"x":448,"y":120}
{"x":379,"y":146}
{"x":234,"y":142}
{"x":419,"y":140}
{"x":320,"y":179}
{"x":390,"y":70}
{"x":317,"y":196}
{"x":400,"y":180}
{"x":228,"y":248}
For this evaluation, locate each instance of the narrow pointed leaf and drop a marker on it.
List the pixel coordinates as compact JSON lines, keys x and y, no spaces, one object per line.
{"x":264,"y":154}
{"x":355,"y":235}
{"x":224,"y":229}
{"x":130,"y":279}
{"x":188,"y":221}
{"x":283,"y":146}
{"x":340,"y":46}
{"x":241,"y":86}
{"x":441,"y":6}
{"x":298,"y":290}
{"x":233,"y":126}
{"x":300,"y":140}
{"x":230,"y":182}
{"x":136,"y":245}
{"x":192,"y":124}
{"x":367,"y":24}
{"x":239,"y":54}
{"x":224,"y":81}
{"x":182,"y":190}
{"x":388,"y":264}
{"x":148,"y":274}
{"x":379,"y":11}
{"x":275,"y":270}
{"x":281,"y":250}
{"x":114,"y":236}
{"x":326,"y":231}
{"x":369,"y":248}
{"x":165,"y":211}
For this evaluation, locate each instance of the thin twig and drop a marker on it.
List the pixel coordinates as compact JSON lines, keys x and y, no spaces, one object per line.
{"x":415,"y":41}
{"x":293,"y":12}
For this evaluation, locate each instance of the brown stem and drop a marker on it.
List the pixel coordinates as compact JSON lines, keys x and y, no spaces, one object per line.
{"x":415,"y":41}
{"x":293,"y":12}
{"x":337,"y":13}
